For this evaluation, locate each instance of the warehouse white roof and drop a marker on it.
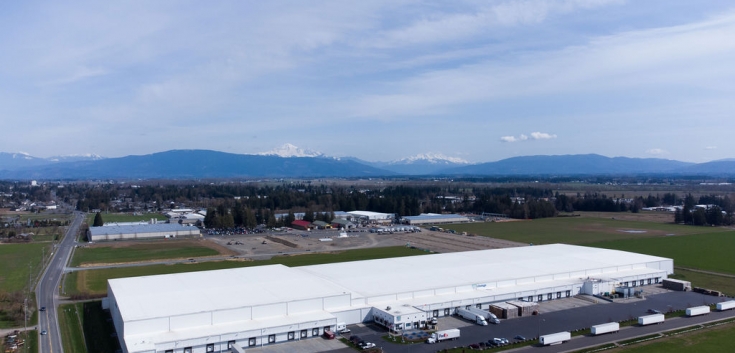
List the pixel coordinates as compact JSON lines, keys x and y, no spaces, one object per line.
{"x":138,"y":228}
{"x":371,"y":215}
{"x":414,"y":273}
{"x":205,"y":291}
{"x":192,"y":292}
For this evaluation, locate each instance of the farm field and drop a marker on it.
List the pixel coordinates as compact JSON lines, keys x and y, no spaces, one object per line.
{"x":707,"y":251}
{"x":87,"y":329}
{"x":125,"y":217}
{"x":111,"y":253}
{"x":576,"y":230}
{"x":14,"y":262}
{"x":70,"y":324}
{"x":94,"y":282}
{"x":712,"y":339}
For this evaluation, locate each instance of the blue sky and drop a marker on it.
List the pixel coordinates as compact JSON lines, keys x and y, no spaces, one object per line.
{"x":378,"y":80}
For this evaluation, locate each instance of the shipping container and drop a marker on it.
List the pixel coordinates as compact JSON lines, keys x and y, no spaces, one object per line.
{"x":651,"y":319}
{"x":605,"y":328}
{"x":554,"y":338}
{"x":726,"y":305}
{"x":438,"y":336}
{"x":698,"y":310}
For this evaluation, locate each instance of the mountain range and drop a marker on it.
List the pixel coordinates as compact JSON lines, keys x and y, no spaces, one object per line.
{"x":291,"y":161}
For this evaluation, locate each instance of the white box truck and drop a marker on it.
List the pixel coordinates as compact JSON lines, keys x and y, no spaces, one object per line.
{"x":726,"y":305}
{"x":438,"y":336}
{"x":605,"y":328}
{"x":698,"y":310}
{"x":554,"y":338}
{"x":489,"y":317}
{"x":468,"y":315}
{"x":651,"y":319}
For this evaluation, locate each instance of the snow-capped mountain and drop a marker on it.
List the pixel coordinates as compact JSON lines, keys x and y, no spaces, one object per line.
{"x":76,"y":158}
{"x":431,"y":158}
{"x":19,"y":160}
{"x":289,"y":150}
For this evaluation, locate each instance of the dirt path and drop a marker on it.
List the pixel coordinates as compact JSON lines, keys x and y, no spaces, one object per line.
{"x":706,"y":272}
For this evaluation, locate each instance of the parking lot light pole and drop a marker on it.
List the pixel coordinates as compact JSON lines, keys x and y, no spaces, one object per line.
{"x":539,"y":327}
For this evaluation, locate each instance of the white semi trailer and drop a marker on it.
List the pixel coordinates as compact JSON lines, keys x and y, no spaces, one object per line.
{"x":697,"y":310}
{"x":489,"y":317}
{"x":726,"y":305}
{"x":468,"y":315}
{"x":651,"y":319}
{"x":438,"y":336}
{"x":555,"y":338}
{"x":605,"y":328}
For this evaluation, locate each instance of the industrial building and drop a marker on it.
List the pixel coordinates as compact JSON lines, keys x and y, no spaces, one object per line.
{"x":141,"y":231}
{"x":434,"y":218}
{"x":373,"y":217}
{"x":212,"y":311}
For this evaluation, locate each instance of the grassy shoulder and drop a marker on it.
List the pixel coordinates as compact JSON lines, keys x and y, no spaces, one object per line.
{"x":146,"y":251}
{"x":577,"y":230}
{"x":85,"y":328}
{"x":16,"y":260}
{"x":94,"y":282}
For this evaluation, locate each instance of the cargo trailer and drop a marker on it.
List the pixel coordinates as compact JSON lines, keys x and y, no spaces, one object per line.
{"x":554,"y":338}
{"x":474,"y":317}
{"x":438,"y":336}
{"x":605,"y":328}
{"x":726,"y":305}
{"x":675,"y":284}
{"x":651,"y":319}
{"x":489,"y":317}
{"x":697,"y":310}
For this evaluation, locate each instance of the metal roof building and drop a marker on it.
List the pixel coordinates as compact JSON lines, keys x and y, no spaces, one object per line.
{"x":434,"y":218}
{"x":141,"y":231}
{"x":212,"y":310}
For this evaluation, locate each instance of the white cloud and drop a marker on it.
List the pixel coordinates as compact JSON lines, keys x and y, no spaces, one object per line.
{"x":656,"y":151}
{"x":711,"y":148}
{"x":524,"y":137}
{"x":542,"y":136}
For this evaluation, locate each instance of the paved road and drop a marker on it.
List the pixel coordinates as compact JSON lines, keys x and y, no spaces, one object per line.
{"x":47,"y":289}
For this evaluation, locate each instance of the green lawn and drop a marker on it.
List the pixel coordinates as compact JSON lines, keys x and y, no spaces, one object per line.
{"x":715,"y":339}
{"x":140,"y":252}
{"x":14,"y":262}
{"x":576,"y":230}
{"x":709,"y":251}
{"x":125,"y":217}
{"x":95,"y":281}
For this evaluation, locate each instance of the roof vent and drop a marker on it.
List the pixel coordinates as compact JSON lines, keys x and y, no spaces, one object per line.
{"x":387,"y":308}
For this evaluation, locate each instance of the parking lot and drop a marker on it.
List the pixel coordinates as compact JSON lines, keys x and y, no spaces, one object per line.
{"x":567,"y":314}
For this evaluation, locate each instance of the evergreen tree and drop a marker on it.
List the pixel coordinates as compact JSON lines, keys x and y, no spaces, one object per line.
{"x":98,"y":222}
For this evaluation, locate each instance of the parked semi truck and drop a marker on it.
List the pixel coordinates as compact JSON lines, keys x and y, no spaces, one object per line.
{"x":605,"y":328}
{"x":438,"y":336}
{"x":651,"y":319}
{"x":698,"y":310}
{"x":468,"y":315}
{"x":726,"y":305}
{"x":489,"y":317}
{"x":554,"y":338}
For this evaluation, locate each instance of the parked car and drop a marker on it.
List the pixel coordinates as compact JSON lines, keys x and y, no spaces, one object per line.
{"x":368,"y":345}
{"x":520,"y":338}
{"x":474,"y":346}
{"x":654,"y":311}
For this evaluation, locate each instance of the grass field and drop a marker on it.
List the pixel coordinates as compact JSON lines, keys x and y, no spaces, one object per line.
{"x":95,"y":281}
{"x":125,"y":217}
{"x":714,"y":339}
{"x":577,"y":230}
{"x":704,"y":280}
{"x":115,"y":253}
{"x":14,"y":262}
{"x":70,"y":324}
{"x":708,"y":251}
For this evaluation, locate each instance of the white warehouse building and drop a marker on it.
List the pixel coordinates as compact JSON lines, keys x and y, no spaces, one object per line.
{"x":211,"y":311}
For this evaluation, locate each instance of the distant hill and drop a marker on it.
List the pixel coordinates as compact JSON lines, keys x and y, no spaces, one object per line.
{"x":420,"y":164}
{"x":182,"y":164}
{"x":578,"y":164}
{"x":714,"y":168}
{"x":18,"y":160}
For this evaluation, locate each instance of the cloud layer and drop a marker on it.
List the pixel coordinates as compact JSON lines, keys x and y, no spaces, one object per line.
{"x":245,"y":77}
